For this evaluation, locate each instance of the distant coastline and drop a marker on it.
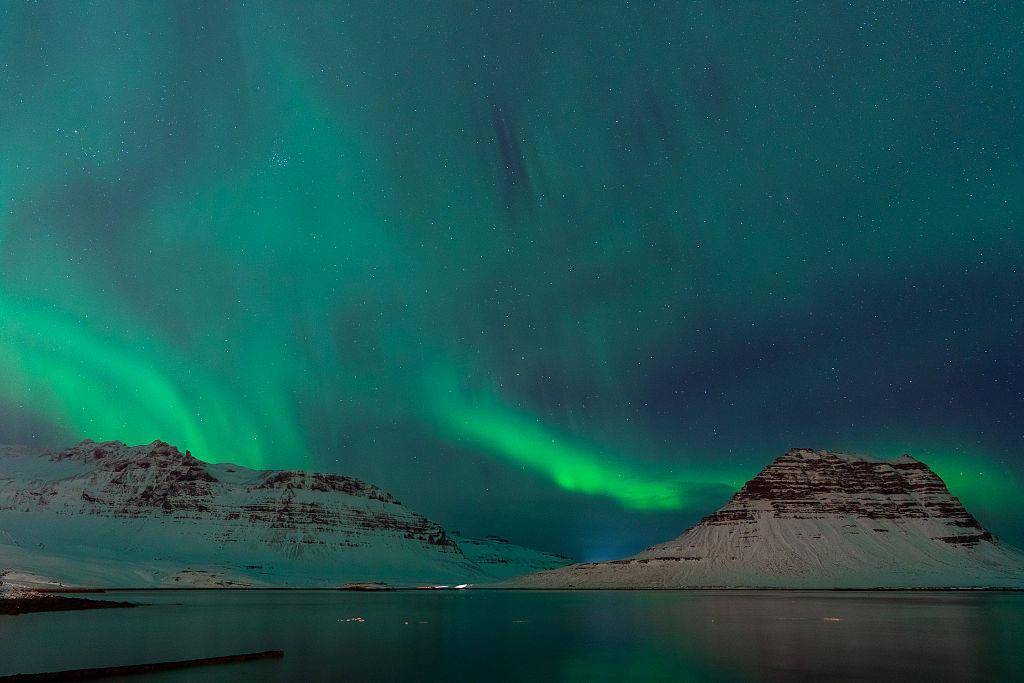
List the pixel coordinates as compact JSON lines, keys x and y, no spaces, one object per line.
{"x":417,"y":589}
{"x":55,"y":603}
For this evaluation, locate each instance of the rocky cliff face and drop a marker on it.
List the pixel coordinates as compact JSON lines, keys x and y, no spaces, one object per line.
{"x":817,"y":519}
{"x":806,"y":484}
{"x":106,"y":514}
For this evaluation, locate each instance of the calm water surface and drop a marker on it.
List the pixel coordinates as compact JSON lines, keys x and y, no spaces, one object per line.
{"x":540,"y":636}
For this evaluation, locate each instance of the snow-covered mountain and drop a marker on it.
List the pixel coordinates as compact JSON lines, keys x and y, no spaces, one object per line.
{"x":110,"y":515}
{"x":815,"y":519}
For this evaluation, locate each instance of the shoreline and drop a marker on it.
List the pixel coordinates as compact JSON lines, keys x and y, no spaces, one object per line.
{"x":14,"y":607}
{"x":410,"y":589}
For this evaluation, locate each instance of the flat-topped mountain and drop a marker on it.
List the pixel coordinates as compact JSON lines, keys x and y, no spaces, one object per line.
{"x":815,"y":519}
{"x":111,"y":515}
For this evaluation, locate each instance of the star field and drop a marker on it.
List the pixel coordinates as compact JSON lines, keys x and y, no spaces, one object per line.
{"x":569,"y":275}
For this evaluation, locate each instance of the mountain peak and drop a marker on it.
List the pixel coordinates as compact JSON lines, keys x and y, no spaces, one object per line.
{"x":109,"y":514}
{"x":818,"y":519}
{"x":812,"y":454}
{"x":88,"y":450}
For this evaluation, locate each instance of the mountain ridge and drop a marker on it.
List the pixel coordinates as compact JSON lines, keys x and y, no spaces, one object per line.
{"x":818,"y":519}
{"x":105,"y":514}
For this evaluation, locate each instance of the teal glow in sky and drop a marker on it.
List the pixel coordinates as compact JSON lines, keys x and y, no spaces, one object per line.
{"x":552,"y":272}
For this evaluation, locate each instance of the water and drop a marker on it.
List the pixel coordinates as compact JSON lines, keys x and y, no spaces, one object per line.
{"x":540,"y":636}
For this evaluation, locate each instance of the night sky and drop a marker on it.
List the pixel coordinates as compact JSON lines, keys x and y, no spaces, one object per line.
{"x":565,"y":272}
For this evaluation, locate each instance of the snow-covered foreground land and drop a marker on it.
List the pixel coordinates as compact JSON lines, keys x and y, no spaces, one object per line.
{"x":110,"y":515}
{"x":815,"y":519}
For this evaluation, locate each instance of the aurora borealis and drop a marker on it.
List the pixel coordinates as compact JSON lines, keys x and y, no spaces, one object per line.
{"x":569,"y":273}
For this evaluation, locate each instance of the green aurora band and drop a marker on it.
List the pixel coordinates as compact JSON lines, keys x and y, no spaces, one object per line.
{"x":570,"y":464}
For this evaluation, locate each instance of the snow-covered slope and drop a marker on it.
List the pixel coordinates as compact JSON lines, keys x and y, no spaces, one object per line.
{"x":110,"y":515}
{"x":815,"y":519}
{"x":499,"y":557}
